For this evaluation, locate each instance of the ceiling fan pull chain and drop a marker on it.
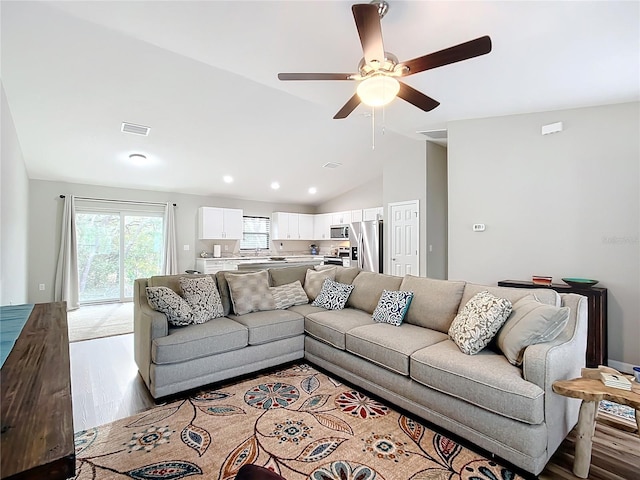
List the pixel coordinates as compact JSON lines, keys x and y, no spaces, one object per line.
{"x":373,"y":128}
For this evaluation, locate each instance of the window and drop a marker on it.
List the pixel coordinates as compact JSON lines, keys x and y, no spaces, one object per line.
{"x":255,"y":233}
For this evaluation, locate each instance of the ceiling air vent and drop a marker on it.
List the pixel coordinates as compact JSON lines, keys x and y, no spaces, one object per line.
{"x":332,"y":165}
{"x":135,"y":129}
{"x":434,"y":134}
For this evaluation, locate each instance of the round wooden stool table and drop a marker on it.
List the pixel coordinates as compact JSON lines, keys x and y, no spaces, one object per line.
{"x":591,"y":391}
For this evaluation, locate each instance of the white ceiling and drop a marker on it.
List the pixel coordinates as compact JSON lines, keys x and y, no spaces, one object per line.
{"x":202,"y":75}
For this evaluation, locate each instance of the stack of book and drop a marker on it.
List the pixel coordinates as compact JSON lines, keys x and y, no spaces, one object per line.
{"x":615,"y":381}
{"x":541,"y":280}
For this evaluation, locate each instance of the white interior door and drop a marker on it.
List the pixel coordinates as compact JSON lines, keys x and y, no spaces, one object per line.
{"x":405,"y":259}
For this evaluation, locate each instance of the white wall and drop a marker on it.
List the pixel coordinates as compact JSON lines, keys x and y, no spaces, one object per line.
{"x":565,"y":205}
{"x":436,"y":211}
{"x":367,"y":195}
{"x":14,"y":200}
{"x":45,"y":214}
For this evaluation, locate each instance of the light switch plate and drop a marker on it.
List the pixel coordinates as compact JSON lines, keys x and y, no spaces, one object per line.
{"x":478,"y":227}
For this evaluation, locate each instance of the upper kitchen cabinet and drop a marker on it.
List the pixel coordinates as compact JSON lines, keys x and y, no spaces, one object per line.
{"x":375,"y":213}
{"x":341,"y":218}
{"x":356,"y":216}
{"x":216,"y":223}
{"x":291,"y":226}
{"x":322,"y":226}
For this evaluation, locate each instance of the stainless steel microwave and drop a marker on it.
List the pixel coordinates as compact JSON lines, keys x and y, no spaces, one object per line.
{"x":340,"y":232}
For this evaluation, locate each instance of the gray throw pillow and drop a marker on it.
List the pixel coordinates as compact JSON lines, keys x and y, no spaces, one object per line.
{"x":392,"y":307}
{"x":165,"y":300}
{"x":202,"y":296}
{"x":479,"y":321}
{"x":531,"y":322}
{"x":333,"y":295}
{"x":250,"y":292}
{"x":289,"y":294}
{"x":314,"y":279}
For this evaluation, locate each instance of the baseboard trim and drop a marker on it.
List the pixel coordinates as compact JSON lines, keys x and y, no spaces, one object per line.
{"x":621,"y":366}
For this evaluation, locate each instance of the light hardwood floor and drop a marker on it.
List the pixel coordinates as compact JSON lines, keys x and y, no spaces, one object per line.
{"x":105,"y":386}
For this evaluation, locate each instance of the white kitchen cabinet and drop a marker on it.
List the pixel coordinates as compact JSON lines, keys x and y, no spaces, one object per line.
{"x":322,"y":226}
{"x":305,"y":226}
{"x":291,"y":226}
{"x":341,"y":218}
{"x":214,"y":265}
{"x":372,"y":214}
{"x":356,"y":216}
{"x":219,"y":223}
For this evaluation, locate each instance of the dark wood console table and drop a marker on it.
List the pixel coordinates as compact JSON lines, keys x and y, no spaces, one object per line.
{"x":36,"y":415}
{"x":596,"y":312}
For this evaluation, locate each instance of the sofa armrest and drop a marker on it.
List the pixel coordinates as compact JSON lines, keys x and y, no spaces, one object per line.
{"x":148,"y":324}
{"x":560,"y":359}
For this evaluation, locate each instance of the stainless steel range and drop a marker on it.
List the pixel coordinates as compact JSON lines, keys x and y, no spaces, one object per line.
{"x":342,"y":257}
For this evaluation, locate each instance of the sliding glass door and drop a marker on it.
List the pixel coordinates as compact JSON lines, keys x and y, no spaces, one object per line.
{"x":115,"y":248}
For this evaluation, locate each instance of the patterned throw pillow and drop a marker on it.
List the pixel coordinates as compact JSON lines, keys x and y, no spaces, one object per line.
{"x":289,"y":294}
{"x":479,"y":321}
{"x":530,"y":323}
{"x":202,"y":296}
{"x":333,"y":295}
{"x":250,"y":292}
{"x":313,"y":281}
{"x":165,"y":300}
{"x":392,"y":306}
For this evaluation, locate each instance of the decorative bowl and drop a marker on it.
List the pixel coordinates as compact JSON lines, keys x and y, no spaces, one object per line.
{"x":580,"y":282}
{"x":277,"y":259}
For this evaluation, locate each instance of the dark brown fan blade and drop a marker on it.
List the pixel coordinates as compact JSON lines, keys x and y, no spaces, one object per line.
{"x":349,"y":107}
{"x":464,"y":51}
{"x":417,"y":98}
{"x":370,"y":31}
{"x":315,"y":76}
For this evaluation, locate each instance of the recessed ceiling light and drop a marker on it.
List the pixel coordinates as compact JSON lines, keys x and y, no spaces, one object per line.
{"x":227,"y":179}
{"x":313,"y":190}
{"x":275,"y":185}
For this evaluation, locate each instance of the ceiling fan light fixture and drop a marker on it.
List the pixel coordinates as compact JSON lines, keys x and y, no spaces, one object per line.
{"x":378,"y":90}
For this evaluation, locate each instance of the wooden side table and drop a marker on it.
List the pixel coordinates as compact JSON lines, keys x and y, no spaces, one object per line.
{"x":596,"y":315}
{"x":591,"y":391}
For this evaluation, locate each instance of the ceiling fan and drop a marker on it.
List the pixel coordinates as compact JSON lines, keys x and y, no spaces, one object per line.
{"x":378,"y":71}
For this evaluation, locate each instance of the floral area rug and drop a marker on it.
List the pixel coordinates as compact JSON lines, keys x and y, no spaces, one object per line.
{"x":299,"y":422}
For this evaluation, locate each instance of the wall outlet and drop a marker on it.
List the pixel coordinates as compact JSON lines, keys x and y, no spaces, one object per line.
{"x":186,"y":248}
{"x":41,"y":287}
{"x":226,"y":248}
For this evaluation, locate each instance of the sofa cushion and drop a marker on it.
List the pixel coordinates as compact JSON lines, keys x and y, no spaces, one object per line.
{"x":202,"y":296}
{"x":544,"y":295}
{"x":176,"y":308}
{"x":287,"y":275}
{"x":315,"y":278}
{"x":346,"y":274}
{"x":265,"y":327}
{"x":368,"y":288}
{"x":196,"y":341}
{"x":289,"y":294}
{"x":333,"y":295}
{"x":479,"y":321}
{"x":435,"y":302}
{"x":392,"y":307}
{"x":306,"y":310}
{"x":223,"y":289}
{"x":531,"y":322}
{"x":330,"y":326}
{"x":487,"y":380}
{"x":250,"y":292}
{"x":390,"y":346}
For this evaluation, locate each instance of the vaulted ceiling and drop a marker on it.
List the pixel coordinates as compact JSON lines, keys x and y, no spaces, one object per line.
{"x":203,"y":76}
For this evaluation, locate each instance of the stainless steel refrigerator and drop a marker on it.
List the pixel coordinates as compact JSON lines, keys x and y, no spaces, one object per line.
{"x":365,"y":240}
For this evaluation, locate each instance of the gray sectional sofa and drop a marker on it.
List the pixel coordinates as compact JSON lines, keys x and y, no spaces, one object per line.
{"x":508,"y":410}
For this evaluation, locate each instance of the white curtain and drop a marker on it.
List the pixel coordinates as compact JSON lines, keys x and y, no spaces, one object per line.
{"x":170,"y":257}
{"x":66,"y":284}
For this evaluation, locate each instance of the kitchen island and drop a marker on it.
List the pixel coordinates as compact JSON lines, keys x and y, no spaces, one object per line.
{"x":248,"y":263}
{"x":262,"y":265}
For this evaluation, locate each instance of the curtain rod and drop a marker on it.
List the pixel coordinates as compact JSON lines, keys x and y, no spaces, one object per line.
{"x":118,"y":201}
